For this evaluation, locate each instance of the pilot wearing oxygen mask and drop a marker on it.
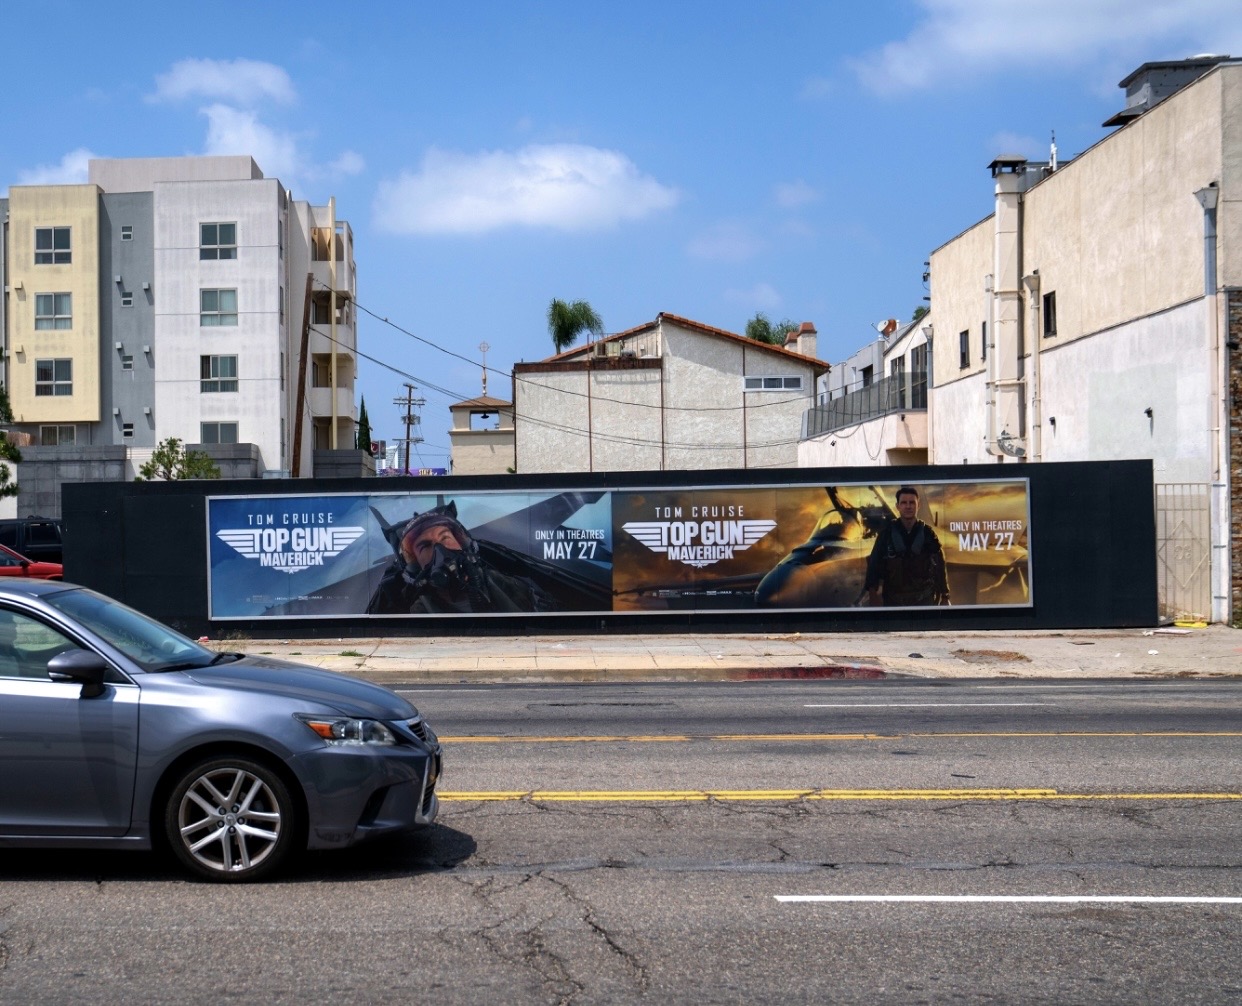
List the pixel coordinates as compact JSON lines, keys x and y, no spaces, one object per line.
{"x":439,"y":570}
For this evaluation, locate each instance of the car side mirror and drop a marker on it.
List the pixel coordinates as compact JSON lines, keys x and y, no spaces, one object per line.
{"x":80,"y":665}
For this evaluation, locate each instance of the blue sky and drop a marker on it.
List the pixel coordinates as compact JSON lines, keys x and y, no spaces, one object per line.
{"x":708,"y":159}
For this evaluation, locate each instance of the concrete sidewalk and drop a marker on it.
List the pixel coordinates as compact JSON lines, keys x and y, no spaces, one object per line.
{"x":1212,"y":651}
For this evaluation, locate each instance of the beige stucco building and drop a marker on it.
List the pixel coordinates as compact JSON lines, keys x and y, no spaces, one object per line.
{"x":670,"y":394}
{"x":1097,"y":313}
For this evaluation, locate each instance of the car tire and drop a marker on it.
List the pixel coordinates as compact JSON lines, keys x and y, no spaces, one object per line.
{"x":231,"y":819}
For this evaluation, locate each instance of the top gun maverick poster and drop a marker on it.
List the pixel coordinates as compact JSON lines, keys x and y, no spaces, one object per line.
{"x":795,"y":547}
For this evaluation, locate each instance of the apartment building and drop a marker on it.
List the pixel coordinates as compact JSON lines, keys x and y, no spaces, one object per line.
{"x":185,"y":297}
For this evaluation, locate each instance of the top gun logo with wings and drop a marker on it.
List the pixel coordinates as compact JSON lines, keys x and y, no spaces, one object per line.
{"x":698,"y":543}
{"x":290,"y":550}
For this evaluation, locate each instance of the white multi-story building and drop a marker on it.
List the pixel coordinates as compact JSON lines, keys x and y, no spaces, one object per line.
{"x":186,"y":297}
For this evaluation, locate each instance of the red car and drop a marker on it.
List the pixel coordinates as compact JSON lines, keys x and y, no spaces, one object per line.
{"x":15,"y":564}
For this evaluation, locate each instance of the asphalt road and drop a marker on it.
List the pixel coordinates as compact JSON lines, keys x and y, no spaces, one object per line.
{"x":980,"y":841}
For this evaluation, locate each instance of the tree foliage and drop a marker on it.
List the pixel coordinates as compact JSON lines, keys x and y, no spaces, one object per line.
{"x":170,"y":461}
{"x":919,"y":312}
{"x":567,"y":321}
{"x":364,"y":428}
{"x":761,"y":329}
{"x":8,"y":451}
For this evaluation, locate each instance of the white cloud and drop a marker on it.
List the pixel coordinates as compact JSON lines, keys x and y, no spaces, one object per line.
{"x":243,"y":82}
{"x":958,"y":39}
{"x":233,"y":131}
{"x":760,"y":297}
{"x":72,"y":170}
{"x":348,"y":163}
{"x":792,"y":195}
{"x":726,"y":242}
{"x":563,"y":186}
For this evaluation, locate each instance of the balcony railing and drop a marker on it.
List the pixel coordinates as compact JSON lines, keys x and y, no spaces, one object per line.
{"x":890,"y":394}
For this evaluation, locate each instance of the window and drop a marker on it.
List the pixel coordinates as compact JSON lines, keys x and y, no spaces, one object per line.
{"x":963,"y":349}
{"x":218,"y":433}
{"x":897,"y":374}
{"x":773,"y":384}
{"x":217,"y":307}
{"x":127,"y":232}
{"x":127,"y":299}
{"x":217,"y":373}
{"x":53,"y":310}
{"x":52,"y":246}
{"x":983,"y":343}
{"x":866,"y":376}
{"x":53,"y":377}
{"x":1050,"y":315}
{"x":127,"y":362}
{"x":918,"y":376}
{"x":127,"y":430}
{"x":217,"y":241}
{"x":58,"y":436}
{"x":36,"y":643}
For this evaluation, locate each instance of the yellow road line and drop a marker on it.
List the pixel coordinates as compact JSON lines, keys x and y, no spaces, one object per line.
{"x":785,"y":795}
{"x":780,"y":738}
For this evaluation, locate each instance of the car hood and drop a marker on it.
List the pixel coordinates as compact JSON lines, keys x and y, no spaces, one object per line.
{"x":325,"y":688}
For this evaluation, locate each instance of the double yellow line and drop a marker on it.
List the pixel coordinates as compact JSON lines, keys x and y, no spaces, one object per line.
{"x":792,"y":795}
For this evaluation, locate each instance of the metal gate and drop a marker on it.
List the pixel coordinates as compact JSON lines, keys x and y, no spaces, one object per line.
{"x":1183,"y":551}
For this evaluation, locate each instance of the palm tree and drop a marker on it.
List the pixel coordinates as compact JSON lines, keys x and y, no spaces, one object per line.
{"x":568,"y":321}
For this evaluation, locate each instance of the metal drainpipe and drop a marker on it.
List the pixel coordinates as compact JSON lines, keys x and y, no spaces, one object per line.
{"x":1217,"y":422}
{"x":1031,"y":283}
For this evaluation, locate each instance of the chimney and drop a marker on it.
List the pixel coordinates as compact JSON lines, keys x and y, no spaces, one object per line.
{"x":802,"y":339}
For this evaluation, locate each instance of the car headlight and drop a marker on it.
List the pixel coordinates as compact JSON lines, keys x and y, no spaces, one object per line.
{"x":345,"y":730}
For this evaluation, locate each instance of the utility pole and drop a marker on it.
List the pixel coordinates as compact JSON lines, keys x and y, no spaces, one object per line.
{"x":411,"y":419}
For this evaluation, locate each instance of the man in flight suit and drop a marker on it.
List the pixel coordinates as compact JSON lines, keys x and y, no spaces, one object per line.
{"x":906,"y":566}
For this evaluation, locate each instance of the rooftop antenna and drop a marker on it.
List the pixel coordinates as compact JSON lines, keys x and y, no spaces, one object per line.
{"x":483,"y":348}
{"x":1053,"y":157}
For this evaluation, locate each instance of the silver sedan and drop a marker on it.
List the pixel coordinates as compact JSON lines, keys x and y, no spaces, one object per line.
{"x":117,"y":732}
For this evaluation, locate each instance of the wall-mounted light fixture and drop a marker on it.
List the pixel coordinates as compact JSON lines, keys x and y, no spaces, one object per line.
{"x":1147,"y":412}
{"x":117,"y":277}
{"x":120,"y":345}
{"x":146,"y":286}
{"x":1052,"y":421}
{"x":116,"y":411}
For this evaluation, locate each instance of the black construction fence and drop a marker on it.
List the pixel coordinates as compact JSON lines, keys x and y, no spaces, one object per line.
{"x":1021,"y":546}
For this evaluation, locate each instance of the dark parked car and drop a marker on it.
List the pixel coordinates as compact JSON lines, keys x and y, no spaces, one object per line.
{"x":34,"y":537}
{"x":117,"y":732}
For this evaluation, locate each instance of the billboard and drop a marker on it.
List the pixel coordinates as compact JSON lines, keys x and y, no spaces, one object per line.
{"x":799,"y":547}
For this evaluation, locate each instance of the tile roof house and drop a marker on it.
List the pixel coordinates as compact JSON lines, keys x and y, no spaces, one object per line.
{"x":669,"y":394}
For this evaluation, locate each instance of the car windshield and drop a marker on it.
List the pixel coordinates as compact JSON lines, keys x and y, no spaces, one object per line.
{"x":151,"y":645}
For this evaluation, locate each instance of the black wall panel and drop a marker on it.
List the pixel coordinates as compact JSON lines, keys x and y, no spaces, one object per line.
{"x":1092,"y":552}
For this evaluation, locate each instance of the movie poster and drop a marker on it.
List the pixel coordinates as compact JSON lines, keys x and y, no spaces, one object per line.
{"x":800,"y":547}
{"x":793,"y":547}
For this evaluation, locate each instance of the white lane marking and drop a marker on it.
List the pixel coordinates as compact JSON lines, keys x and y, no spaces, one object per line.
{"x":1137,"y":899}
{"x":916,"y":705}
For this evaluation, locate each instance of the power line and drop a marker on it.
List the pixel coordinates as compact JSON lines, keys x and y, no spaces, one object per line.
{"x":564,"y":391}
